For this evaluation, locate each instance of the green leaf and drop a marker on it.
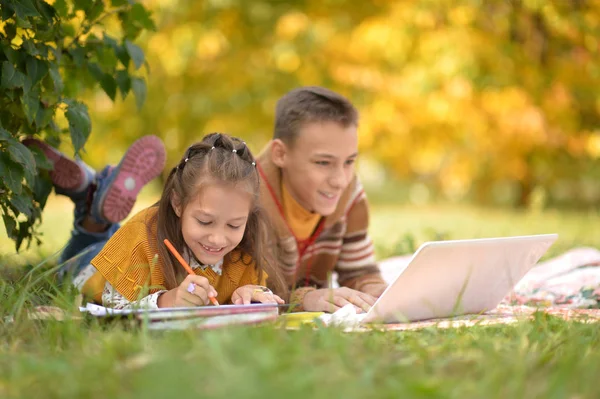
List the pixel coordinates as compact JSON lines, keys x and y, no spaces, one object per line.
{"x":142,"y":16}
{"x":83,"y":5}
{"x":95,"y":71}
{"x":26,"y":8}
{"x":110,"y":41}
{"x":11,"y":78}
{"x":95,"y":9}
{"x":22,"y":203}
{"x":139,"y":90}
{"x":5,"y":135}
{"x":109,"y":86}
{"x":41,"y":161}
{"x":11,"y":172}
{"x":43,"y":117}
{"x":119,"y":51}
{"x":10,"y":30}
{"x":23,"y":23}
{"x":13,"y":55}
{"x":44,"y":33}
{"x":37,"y":48}
{"x":42,"y":189}
{"x":22,"y":156}
{"x":47,"y":10}
{"x":123,"y":55}
{"x":118,"y":3}
{"x":68,"y":29}
{"x":24,"y":233}
{"x":106,"y":57}
{"x":30,"y":101}
{"x":123,"y":82}
{"x":61,"y":8}
{"x":7,"y":11}
{"x":36,"y":69}
{"x":80,"y":124}
{"x":8,"y":74}
{"x":78,"y":54}
{"x":56,"y":79}
{"x":136,"y":53}
{"x":9,"y":223}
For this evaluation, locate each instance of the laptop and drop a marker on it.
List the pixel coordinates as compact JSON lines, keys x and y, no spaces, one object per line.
{"x":451,"y":278}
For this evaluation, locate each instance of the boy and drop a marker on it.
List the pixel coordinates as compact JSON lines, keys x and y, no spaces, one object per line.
{"x":316,"y":204}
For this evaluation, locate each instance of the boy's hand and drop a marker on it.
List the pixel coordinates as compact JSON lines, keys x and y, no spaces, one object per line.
{"x":193,"y":291}
{"x":330,"y":300}
{"x":247,"y":294}
{"x":375,"y":290}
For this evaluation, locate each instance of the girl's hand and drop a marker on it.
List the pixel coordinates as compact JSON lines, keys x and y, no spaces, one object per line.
{"x":193,"y":291}
{"x":246,"y":294}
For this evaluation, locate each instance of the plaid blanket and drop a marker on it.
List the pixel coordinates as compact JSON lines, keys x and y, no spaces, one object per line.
{"x":571,"y":280}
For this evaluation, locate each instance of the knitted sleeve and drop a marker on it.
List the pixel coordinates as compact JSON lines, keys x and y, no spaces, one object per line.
{"x":356,"y":266}
{"x":126,"y":259}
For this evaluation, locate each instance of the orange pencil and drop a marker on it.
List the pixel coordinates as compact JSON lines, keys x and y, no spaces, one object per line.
{"x":185,"y":265}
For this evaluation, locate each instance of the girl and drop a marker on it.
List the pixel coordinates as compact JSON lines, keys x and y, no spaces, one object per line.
{"x":208,"y":209}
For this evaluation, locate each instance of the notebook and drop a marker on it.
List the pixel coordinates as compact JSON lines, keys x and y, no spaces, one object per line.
{"x":451,"y":278}
{"x":203,"y":317}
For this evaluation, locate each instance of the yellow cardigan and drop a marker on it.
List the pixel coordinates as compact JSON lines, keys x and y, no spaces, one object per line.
{"x":125,"y":262}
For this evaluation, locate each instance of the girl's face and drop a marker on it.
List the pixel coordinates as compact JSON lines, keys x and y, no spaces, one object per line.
{"x":213,"y":222}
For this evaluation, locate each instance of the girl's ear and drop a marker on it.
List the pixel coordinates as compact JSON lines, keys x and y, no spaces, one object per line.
{"x":176,"y":204}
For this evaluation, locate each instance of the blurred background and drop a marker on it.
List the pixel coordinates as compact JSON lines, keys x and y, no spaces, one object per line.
{"x":492,"y":102}
{"x":472,"y":104}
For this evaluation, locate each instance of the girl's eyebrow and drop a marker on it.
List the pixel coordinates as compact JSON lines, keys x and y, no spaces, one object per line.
{"x":240,"y":218}
{"x":329,"y":156}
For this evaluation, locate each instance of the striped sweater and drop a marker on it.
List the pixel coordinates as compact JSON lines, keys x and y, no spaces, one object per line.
{"x":339,"y":244}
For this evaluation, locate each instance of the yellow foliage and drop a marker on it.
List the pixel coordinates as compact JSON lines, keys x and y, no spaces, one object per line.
{"x":465,"y":93}
{"x":291,"y":25}
{"x":210,"y":45}
{"x":593,"y":144}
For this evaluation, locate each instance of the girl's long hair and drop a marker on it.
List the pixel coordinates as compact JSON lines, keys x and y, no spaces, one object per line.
{"x":220,"y":159}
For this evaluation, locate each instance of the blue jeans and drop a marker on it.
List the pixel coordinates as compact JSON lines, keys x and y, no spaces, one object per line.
{"x":83,"y":245}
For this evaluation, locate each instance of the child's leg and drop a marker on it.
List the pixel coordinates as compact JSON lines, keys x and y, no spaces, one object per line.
{"x":82,"y":247}
{"x":115,"y":190}
{"x":71,"y":178}
{"x":105,"y":200}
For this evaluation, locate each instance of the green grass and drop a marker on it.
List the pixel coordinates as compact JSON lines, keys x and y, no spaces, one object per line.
{"x":543,"y":358}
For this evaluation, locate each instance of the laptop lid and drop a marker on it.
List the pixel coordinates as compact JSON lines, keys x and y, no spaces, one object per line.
{"x":449,"y":278}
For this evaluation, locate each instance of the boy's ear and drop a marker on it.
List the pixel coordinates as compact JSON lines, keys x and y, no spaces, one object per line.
{"x":278,"y":152}
{"x":176,"y":204}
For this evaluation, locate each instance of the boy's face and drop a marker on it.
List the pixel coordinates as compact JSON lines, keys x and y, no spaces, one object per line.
{"x":319,"y":165}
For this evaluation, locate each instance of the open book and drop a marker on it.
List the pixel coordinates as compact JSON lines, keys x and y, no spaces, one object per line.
{"x":203,"y":317}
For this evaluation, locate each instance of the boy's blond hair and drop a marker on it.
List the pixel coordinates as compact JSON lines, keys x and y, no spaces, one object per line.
{"x":311,"y":104}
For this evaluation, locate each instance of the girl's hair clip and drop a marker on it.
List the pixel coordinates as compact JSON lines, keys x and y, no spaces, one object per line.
{"x":185,"y":160}
{"x":253,"y":163}
{"x":213,"y":147}
{"x":234,"y":151}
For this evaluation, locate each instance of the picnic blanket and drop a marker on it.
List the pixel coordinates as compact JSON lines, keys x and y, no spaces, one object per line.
{"x":571,"y":280}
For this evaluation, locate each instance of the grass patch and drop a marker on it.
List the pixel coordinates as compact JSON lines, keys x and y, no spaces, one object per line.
{"x":543,"y":358}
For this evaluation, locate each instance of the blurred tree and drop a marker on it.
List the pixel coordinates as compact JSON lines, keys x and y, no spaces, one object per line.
{"x":474,"y":99}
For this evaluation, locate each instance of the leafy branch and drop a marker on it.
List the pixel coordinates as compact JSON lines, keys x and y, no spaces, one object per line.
{"x":45,"y":65}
